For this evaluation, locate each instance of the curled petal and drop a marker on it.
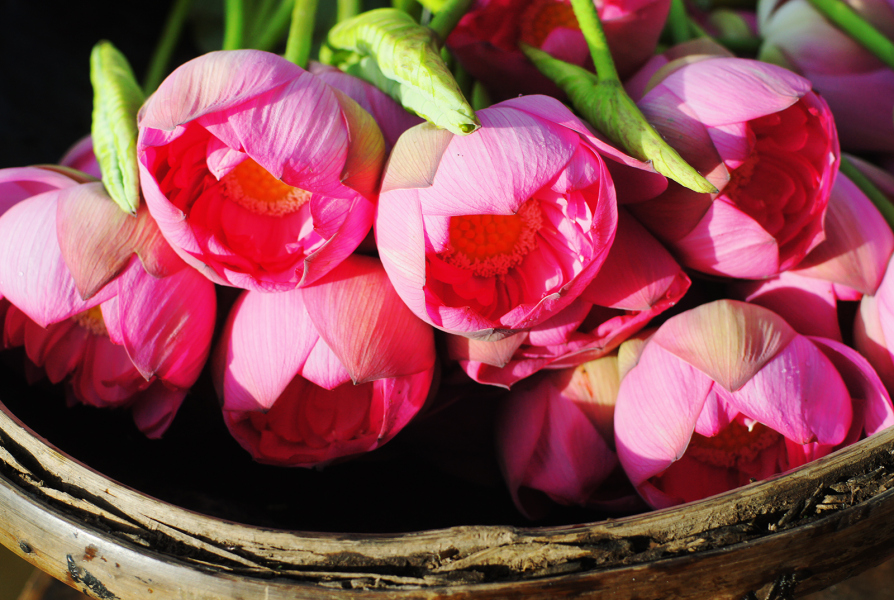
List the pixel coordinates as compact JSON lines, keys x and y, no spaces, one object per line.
{"x":33,"y":274}
{"x":167,"y":323}
{"x":857,"y":242}
{"x":97,"y":238}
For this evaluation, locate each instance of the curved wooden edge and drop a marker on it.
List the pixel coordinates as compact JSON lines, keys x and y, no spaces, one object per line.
{"x":807,"y":558}
{"x":459,"y":560}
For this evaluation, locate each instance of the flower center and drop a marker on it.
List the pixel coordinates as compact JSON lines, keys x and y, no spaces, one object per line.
{"x":490,"y":245}
{"x":775,"y":183}
{"x":735,"y":444}
{"x":542,"y":17}
{"x":91,"y":320}
{"x":253,"y":187}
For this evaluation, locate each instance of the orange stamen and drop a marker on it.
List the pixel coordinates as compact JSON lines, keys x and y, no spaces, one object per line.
{"x":542,"y":17}
{"x":254,"y":188}
{"x":490,"y":245}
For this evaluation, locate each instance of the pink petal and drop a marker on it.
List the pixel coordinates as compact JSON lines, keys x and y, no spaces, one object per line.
{"x":809,"y":305}
{"x":97,"y":238}
{"x":33,"y":275}
{"x":497,"y":353}
{"x":730,"y":341}
{"x":871,"y":338}
{"x":267,"y":340}
{"x":323,"y":367}
{"x":19,"y":183}
{"x":638,"y":272}
{"x":400,"y":239}
{"x":547,"y":444}
{"x":768,"y":88}
{"x":658,"y":405}
{"x":858,"y":243}
{"x":481,"y":174}
{"x":799,"y":394}
{"x":363,"y":320}
{"x":729,"y":242}
{"x":366,"y":153}
{"x":155,"y":408}
{"x":206,"y":85}
{"x":873,"y":410}
{"x":415,"y":158}
{"x":167,"y":323}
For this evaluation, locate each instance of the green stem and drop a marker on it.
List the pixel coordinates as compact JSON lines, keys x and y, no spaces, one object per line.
{"x":257,"y":22}
{"x":678,"y":22}
{"x":347,"y":9}
{"x":447,"y":18}
{"x":234,"y":24}
{"x":411,"y":7}
{"x":858,"y":28}
{"x":591,"y":26}
{"x":275,"y":28}
{"x":880,"y":201}
{"x":301,"y":32}
{"x":165,"y":48}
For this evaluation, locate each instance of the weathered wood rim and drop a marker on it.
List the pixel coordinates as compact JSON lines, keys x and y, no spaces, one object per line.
{"x":810,"y":528}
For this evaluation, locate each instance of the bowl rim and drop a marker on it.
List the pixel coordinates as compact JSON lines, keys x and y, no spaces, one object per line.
{"x":843,"y":491}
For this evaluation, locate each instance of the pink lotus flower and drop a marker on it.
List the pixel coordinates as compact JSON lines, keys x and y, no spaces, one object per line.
{"x":495,"y":232}
{"x":486,"y":39}
{"x":729,"y":392}
{"x":125,"y":330}
{"x":849,"y":263}
{"x":766,"y":141}
{"x":392,"y":118}
{"x":858,"y":86}
{"x":555,"y":440}
{"x":323,"y":372}
{"x":638,"y":281}
{"x":258,"y":173}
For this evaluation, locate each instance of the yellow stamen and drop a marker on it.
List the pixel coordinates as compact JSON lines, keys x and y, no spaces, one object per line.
{"x":91,"y":320}
{"x":253,"y":187}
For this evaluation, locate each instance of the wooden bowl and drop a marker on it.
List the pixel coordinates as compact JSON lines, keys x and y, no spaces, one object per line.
{"x":797,"y":533}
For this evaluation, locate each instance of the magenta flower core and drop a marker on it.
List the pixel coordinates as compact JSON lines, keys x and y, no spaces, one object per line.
{"x":260,"y":218}
{"x":784,"y":170}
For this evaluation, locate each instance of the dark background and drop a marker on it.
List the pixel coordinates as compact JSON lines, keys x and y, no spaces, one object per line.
{"x":45,"y":94}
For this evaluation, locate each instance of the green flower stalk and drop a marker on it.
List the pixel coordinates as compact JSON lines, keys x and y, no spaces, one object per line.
{"x":602,"y":101}
{"x":387,"y":48}
{"x":116,"y":99}
{"x":606,"y":105}
{"x":301,"y":32}
{"x":858,"y":28}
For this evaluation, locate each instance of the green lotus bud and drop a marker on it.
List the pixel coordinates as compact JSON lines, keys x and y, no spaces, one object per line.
{"x":607,"y":107}
{"x":116,"y":99}
{"x":387,"y":48}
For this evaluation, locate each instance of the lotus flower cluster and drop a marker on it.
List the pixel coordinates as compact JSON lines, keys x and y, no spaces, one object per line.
{"x":640,"y":338}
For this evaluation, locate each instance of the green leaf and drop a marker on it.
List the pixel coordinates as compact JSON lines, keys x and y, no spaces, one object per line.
{"x":607,"y":107}
{"x":116,"y":99}
{"x":387,"y":48}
